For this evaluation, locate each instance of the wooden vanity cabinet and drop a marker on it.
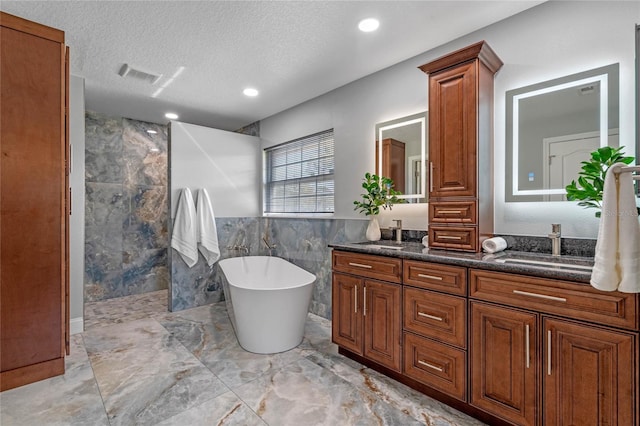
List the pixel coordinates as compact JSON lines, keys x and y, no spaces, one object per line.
{"x":435,"y":325}
{"x":590,"y":375}
{"x":346,"y":325}
{"x":585,"y":372}
{"x":506,"y":348}
{"x":460,"y":147}
{"x":504,"y":367}
{"x":367,"y":312}
{"x":568,"y":373}
{"x":34,"y":322}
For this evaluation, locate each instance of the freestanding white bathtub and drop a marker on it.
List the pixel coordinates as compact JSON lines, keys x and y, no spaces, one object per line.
{"x":267,"y":300}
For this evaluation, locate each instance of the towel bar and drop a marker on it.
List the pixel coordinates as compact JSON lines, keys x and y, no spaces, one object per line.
{"x":627,"y":169}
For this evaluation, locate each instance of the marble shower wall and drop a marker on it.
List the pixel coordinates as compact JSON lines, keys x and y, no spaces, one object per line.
{"x":126,"y":207}
{"x":303,"y":242}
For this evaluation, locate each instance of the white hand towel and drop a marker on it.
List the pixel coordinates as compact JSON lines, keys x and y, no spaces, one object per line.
{"x":617,"y":258}
{"x":184,"y":237}
{"x":207,"y":232}
{"x":494,"y":245}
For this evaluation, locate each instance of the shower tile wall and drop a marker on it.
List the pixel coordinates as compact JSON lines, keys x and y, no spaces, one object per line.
{"x":301,"y":241}
{"x":126,"y":207}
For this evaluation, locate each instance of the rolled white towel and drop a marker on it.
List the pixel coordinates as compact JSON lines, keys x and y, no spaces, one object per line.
{"x":494,"y":245}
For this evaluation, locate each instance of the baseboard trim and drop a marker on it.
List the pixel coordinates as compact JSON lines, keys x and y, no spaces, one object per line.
{"x":31,"y":373}
{"x":76,"y":325}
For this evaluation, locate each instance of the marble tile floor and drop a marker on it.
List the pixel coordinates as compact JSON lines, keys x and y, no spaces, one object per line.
{"x":137,"y":364}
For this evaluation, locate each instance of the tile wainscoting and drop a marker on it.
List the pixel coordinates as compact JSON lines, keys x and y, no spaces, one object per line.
{"x":303,"y":242}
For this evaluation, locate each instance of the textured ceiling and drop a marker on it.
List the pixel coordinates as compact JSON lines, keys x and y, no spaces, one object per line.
{"x":291,"y":51}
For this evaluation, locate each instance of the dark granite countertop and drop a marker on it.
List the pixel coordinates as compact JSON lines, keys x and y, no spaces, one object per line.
{"x":506,"y":261}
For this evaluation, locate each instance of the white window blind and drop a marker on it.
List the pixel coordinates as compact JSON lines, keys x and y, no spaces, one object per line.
{"x":299,"y":175}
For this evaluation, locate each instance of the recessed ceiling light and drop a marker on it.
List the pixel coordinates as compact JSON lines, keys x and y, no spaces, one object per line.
{"x":368,"y":25}
{"x":171,"y":115}
{"x":151,"y":132}
{"x":249,"y":91}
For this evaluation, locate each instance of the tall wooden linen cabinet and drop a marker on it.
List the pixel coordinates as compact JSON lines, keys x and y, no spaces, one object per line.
{"x":461,"y":147}
{"x":34,"y":292}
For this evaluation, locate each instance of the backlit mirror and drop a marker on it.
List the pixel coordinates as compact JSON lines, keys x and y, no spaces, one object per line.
{"x":553,"y":126}
{"x":401,"y":154}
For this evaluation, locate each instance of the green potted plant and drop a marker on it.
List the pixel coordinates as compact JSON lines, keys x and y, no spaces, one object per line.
{"x":590,"y":185}
{"x":379,"y":193}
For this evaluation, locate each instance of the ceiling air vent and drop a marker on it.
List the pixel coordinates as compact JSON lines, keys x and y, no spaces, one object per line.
{"x":128,"y":71}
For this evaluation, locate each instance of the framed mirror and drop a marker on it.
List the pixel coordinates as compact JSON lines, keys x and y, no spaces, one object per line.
{"x":401,"y":154}
{"x":555,"y":125}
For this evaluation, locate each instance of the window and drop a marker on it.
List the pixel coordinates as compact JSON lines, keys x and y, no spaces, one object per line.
{"x":299,"y":175}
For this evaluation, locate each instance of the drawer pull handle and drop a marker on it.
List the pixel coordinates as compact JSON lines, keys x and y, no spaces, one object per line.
{"x":355,"y":299}
{"x":364,"y":301}
{"x":422,"y":314}
{"x":431,"y":277}
{"x":448,"y":237}
{"x":360,"y":265}
{"x":450,"y":211}
{"x":549,"y":352}
{"x":426,"y":364}
{"x":430,"y":176}
{"x":526,"y":343}
{"x":540,"y":296}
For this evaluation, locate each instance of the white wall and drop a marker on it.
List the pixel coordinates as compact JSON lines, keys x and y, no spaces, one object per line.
{"x":568,"y":37}
{"x":549,"y":41}
{"x":353,"y":111}
{"x":76,"y":220}
{"x":227,"y":164}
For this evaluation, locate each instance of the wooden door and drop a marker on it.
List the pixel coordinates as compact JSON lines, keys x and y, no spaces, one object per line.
{"x":453,"y":115}
{"x":382,"y":323}
{"x":347,"y":294}
{"x":504,"y":365}
{"x":33,"y":188}
{"x":589,"y":375}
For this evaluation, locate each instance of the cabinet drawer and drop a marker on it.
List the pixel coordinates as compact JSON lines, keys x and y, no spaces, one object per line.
{"x":577,"y":301}
{"x":438,"y":316}
{"x":454,"y":237}
{"x":437,"y":365}
{"x":453,"y":212}
{"x":450,"y":279}
{"x":380,"y":267}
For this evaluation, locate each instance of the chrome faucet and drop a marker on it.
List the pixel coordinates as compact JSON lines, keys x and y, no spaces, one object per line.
{"x":556,"y":239}
{"x":398,"y":229}
{"x":270,"y":247}
{"x":240,"y":248}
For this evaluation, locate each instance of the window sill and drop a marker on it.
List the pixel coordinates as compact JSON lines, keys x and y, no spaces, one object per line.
{"x":300,"y":215}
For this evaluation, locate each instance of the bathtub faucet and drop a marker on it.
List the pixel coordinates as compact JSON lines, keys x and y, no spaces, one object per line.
{"x":239,"y":248}
{"x":270,"y":247}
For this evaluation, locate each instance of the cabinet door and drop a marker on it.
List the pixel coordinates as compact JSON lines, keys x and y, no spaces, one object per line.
{"x":588,"y":375}
{"x":382,"y":323}
{"x":347,"y":293}
{"x":452,"y":131}
{"x":32,"y":283}
{"x":504,"y":364}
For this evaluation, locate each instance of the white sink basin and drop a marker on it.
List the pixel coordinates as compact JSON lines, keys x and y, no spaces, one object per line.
{"x":380,"y":246}
{"x":543,"y":263}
